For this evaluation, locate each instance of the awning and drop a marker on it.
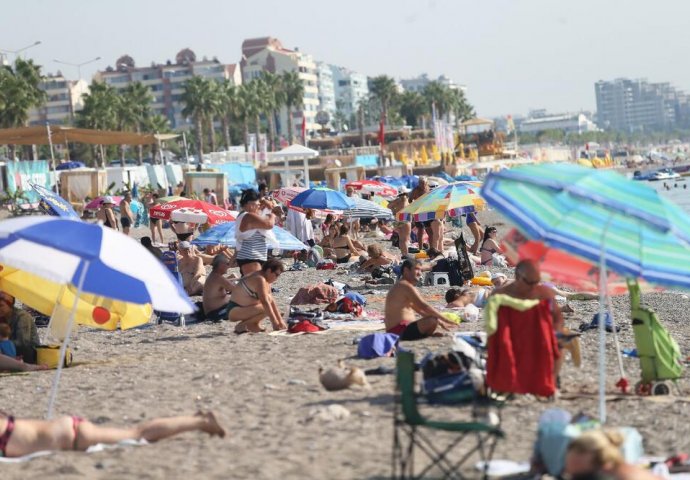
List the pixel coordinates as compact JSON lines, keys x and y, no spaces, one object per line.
{"x":39,"y":136}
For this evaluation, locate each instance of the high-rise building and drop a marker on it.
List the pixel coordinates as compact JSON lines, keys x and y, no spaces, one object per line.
{"x":540,"y":121}
{"x":637,"y":105}
{"x":267,"y":54}
{"x":63,"y":98}
{"x":350,"y":88}
{"x":418,"y":84}
{"x":166,"y":81}
{"x":326,"y":86}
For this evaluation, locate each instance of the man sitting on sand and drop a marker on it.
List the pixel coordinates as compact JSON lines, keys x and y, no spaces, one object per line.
{"x":25,"y":436}
{"x":403,"y":302}
{"x":191,"y":267}
{"x":217,"y":290}
{"x":251,"y":301}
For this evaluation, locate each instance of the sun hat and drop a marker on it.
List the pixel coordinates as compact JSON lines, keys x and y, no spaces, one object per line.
{"x":184,"y":245}
{"x":108,"y":199}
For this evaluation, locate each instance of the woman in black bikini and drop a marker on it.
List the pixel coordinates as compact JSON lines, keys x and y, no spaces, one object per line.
{"x":489,"y":246}
{"x":344,"y":247}
{"x":23,"y":436}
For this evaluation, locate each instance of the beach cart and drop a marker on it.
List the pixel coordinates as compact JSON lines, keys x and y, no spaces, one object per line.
{"x":169,"y":259}
{"x":660,"y":357}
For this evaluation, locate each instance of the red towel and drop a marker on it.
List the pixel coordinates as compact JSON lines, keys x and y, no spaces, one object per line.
{"x":522,"y":352}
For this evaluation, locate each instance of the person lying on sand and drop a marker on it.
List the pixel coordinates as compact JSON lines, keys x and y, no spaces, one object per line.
{"x":25,"y":436}
{"x":217,"y":290}
{"x":403,"y":302}
{"x":377,"y":258}
{"x":461,"y":297}
{"x":251,"y":300}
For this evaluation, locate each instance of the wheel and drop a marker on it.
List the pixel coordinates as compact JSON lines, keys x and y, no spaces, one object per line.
{"x":661,"y":388}
{"x":643,"y":389}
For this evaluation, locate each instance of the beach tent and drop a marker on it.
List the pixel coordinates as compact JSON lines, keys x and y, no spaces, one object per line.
{"x":60,"y":134}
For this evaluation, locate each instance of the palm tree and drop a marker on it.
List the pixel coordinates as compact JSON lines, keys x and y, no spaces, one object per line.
{"x":139,"y":98}
{"x":293,"y":89}
{"x":199,"y":101}
{"x":440,"y":96}
{"x":244,"y":110}
{"x":251,"y":108}
{"x":412,"y":107}
{"x":229,"y":107}
{"x":274,"y":99}
{"x":461,"y":107}
{"x":20,"y":87}
{"x":156,"y":124}
{"x":99,"y":111}
{"x":384,"y":89}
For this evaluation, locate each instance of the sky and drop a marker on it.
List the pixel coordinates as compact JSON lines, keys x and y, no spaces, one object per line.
{"x":513,"y":55}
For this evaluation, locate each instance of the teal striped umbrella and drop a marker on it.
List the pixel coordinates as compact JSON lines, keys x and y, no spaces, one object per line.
{"x":601,"y":216}
{"x":593,"y":212}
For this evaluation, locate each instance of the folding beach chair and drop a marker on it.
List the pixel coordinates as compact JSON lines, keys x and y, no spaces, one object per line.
{"x":412,"y":430}
{"x":169,"y":259}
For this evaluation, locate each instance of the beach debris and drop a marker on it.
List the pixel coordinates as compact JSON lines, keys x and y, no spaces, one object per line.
{"x":328,"y":413}
{"x":296,"y":381}
{"x":342,"y":377}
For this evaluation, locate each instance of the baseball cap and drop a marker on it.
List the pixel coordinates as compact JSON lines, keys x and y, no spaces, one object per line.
{"x":185,"y":245}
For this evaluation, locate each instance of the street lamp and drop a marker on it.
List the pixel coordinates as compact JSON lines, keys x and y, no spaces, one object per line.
{"x":77,"y":65}
{"x":17,"y":52}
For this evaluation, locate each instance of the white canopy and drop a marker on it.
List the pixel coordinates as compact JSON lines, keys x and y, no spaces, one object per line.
{"x":295,"y":151}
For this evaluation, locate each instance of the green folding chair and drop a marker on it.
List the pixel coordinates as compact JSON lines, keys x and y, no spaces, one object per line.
{"x":412,"y":430}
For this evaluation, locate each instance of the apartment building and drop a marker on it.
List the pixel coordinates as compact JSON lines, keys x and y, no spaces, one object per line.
{"x":63,"y":99}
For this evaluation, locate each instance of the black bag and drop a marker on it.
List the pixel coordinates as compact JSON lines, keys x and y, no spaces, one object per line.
{"x":395,"y":239}
{"x":464,"y":258}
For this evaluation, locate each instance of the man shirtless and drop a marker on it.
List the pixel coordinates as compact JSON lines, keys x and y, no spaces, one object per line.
{"x":126,"y":216}
{"x":251,"y":300}
{"x":192,"y":269}
{"x":217,"y":289}
{"x":403,"y":302}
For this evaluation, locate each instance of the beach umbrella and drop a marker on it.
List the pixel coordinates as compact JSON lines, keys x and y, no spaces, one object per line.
{"x":96,"y":203}
{"x":373,"y":187}
{"x":601,"y":216}
{"x":368,"y":209}
{"x":286,"y":194}
{"x":320,"y":198}
{"x":57,"y":205}
{"x":224,"y":234}
{"x":453,"y":199}
{"x":195,"y":211}
{"x":89,"y":258}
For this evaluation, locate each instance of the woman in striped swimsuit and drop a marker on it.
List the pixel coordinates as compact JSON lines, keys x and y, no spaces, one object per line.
{"x":251,"y":231}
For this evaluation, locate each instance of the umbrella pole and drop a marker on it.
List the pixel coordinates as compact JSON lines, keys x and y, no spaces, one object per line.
{"x":623,"y":382}
{"x":602,"y":329}
{"x":63,"y":347}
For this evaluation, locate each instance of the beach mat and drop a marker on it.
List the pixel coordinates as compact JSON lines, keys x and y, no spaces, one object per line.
{"x":622,"y":397}
{"x":100,"y":447}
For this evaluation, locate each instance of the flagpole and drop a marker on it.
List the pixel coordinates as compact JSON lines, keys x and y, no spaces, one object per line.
{"x":50,"y":142}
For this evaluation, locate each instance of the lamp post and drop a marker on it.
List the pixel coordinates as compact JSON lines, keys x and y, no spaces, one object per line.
{"x":77,"y":65}
{"x":17,"y":52}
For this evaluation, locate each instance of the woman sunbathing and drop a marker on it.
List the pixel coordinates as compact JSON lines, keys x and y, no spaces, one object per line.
{"x":377,"y":258}
{"x":23,"y":436}
{"x":344,"y":246}
{"x":461,"y":297}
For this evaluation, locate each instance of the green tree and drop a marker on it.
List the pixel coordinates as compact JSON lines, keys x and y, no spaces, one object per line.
{"x":413,"y":106}
{"x":385,"y":91}
{"x":461,"y":107}
{"x":293,"y":89}
{"x":247,"y":108}
{"x":229,"y":107}
{"x":100,"y":112}
{"x":19,"y":92}
{"x":440,"y":97}
{"x":200,"y":99}
{"x":274,"y":98}
{"x":156,"y":124}
{"x":138,"y":97}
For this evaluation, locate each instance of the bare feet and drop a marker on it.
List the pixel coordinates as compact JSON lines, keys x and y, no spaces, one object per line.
{"x":211,"y":425}
{"x":28,"y":367}
{"x":245,"y":327}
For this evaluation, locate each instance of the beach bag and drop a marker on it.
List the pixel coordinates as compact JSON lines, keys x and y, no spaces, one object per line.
{"x":447,"y":378}
{"x":377,"y":345}
{"x":305,"y":321}
{"x":345,"y":305}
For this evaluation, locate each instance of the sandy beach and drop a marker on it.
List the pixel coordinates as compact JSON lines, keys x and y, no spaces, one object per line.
{"x":265,"y":390}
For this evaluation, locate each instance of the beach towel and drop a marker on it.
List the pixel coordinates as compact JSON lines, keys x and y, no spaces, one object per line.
{"x":314,"y":294}
{"x":377,"y":345}
{"x":99,"y":447}
{"x":522,"y":350}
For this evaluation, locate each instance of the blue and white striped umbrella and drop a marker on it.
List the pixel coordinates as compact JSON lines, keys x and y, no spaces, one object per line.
{"x":58,"y":206}
{"x":100,"y":260}
{"x":224,"y":234}
{"x":368,"y":209}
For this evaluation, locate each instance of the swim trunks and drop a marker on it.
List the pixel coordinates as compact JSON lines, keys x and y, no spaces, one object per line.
{"x":344,"y":259}
{"x":407,"y":331}
{"x":221,"y":313}
{"x":5,"y":438}
{"x":125,"y":222}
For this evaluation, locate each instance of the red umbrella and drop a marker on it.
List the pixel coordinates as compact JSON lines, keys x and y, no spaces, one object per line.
{"x":558,"y":266}
{"x":195,"y":211}
{"x":373,"y":187}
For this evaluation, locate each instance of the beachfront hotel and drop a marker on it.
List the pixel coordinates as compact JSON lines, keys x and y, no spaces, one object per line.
{"x":63,"y":99}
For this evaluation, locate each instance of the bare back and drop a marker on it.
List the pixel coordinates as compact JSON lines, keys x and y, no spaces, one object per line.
{"x":247,"y":291}
{"x":216,"y":291}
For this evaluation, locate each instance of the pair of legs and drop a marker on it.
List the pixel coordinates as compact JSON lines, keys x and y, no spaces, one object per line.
{"x":436,"y":237}
{"x":156,"y":225}
{"x":477,"y":234}
{"x":65,"y":433}
{"x":249,"y":318}
{"x":404,"y":229}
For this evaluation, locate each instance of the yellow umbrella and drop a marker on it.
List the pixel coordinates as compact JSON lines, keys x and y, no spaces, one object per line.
{"x":94,"y":311}
{"x":424,"y":156}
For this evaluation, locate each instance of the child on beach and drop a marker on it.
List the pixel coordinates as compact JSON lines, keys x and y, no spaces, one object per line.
{"x":6,"y":345}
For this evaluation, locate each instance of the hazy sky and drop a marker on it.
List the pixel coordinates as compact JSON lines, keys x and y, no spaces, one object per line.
{"x":513,"y":55}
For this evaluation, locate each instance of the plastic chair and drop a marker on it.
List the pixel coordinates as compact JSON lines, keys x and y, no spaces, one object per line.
{"x":410,"y":432}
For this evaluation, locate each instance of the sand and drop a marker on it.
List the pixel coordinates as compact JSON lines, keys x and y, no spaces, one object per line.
{"x":265,"y":391}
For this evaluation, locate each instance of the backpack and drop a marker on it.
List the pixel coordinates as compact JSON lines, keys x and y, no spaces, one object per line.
{"x":345,"y":305}
{"x":452,"y":267}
